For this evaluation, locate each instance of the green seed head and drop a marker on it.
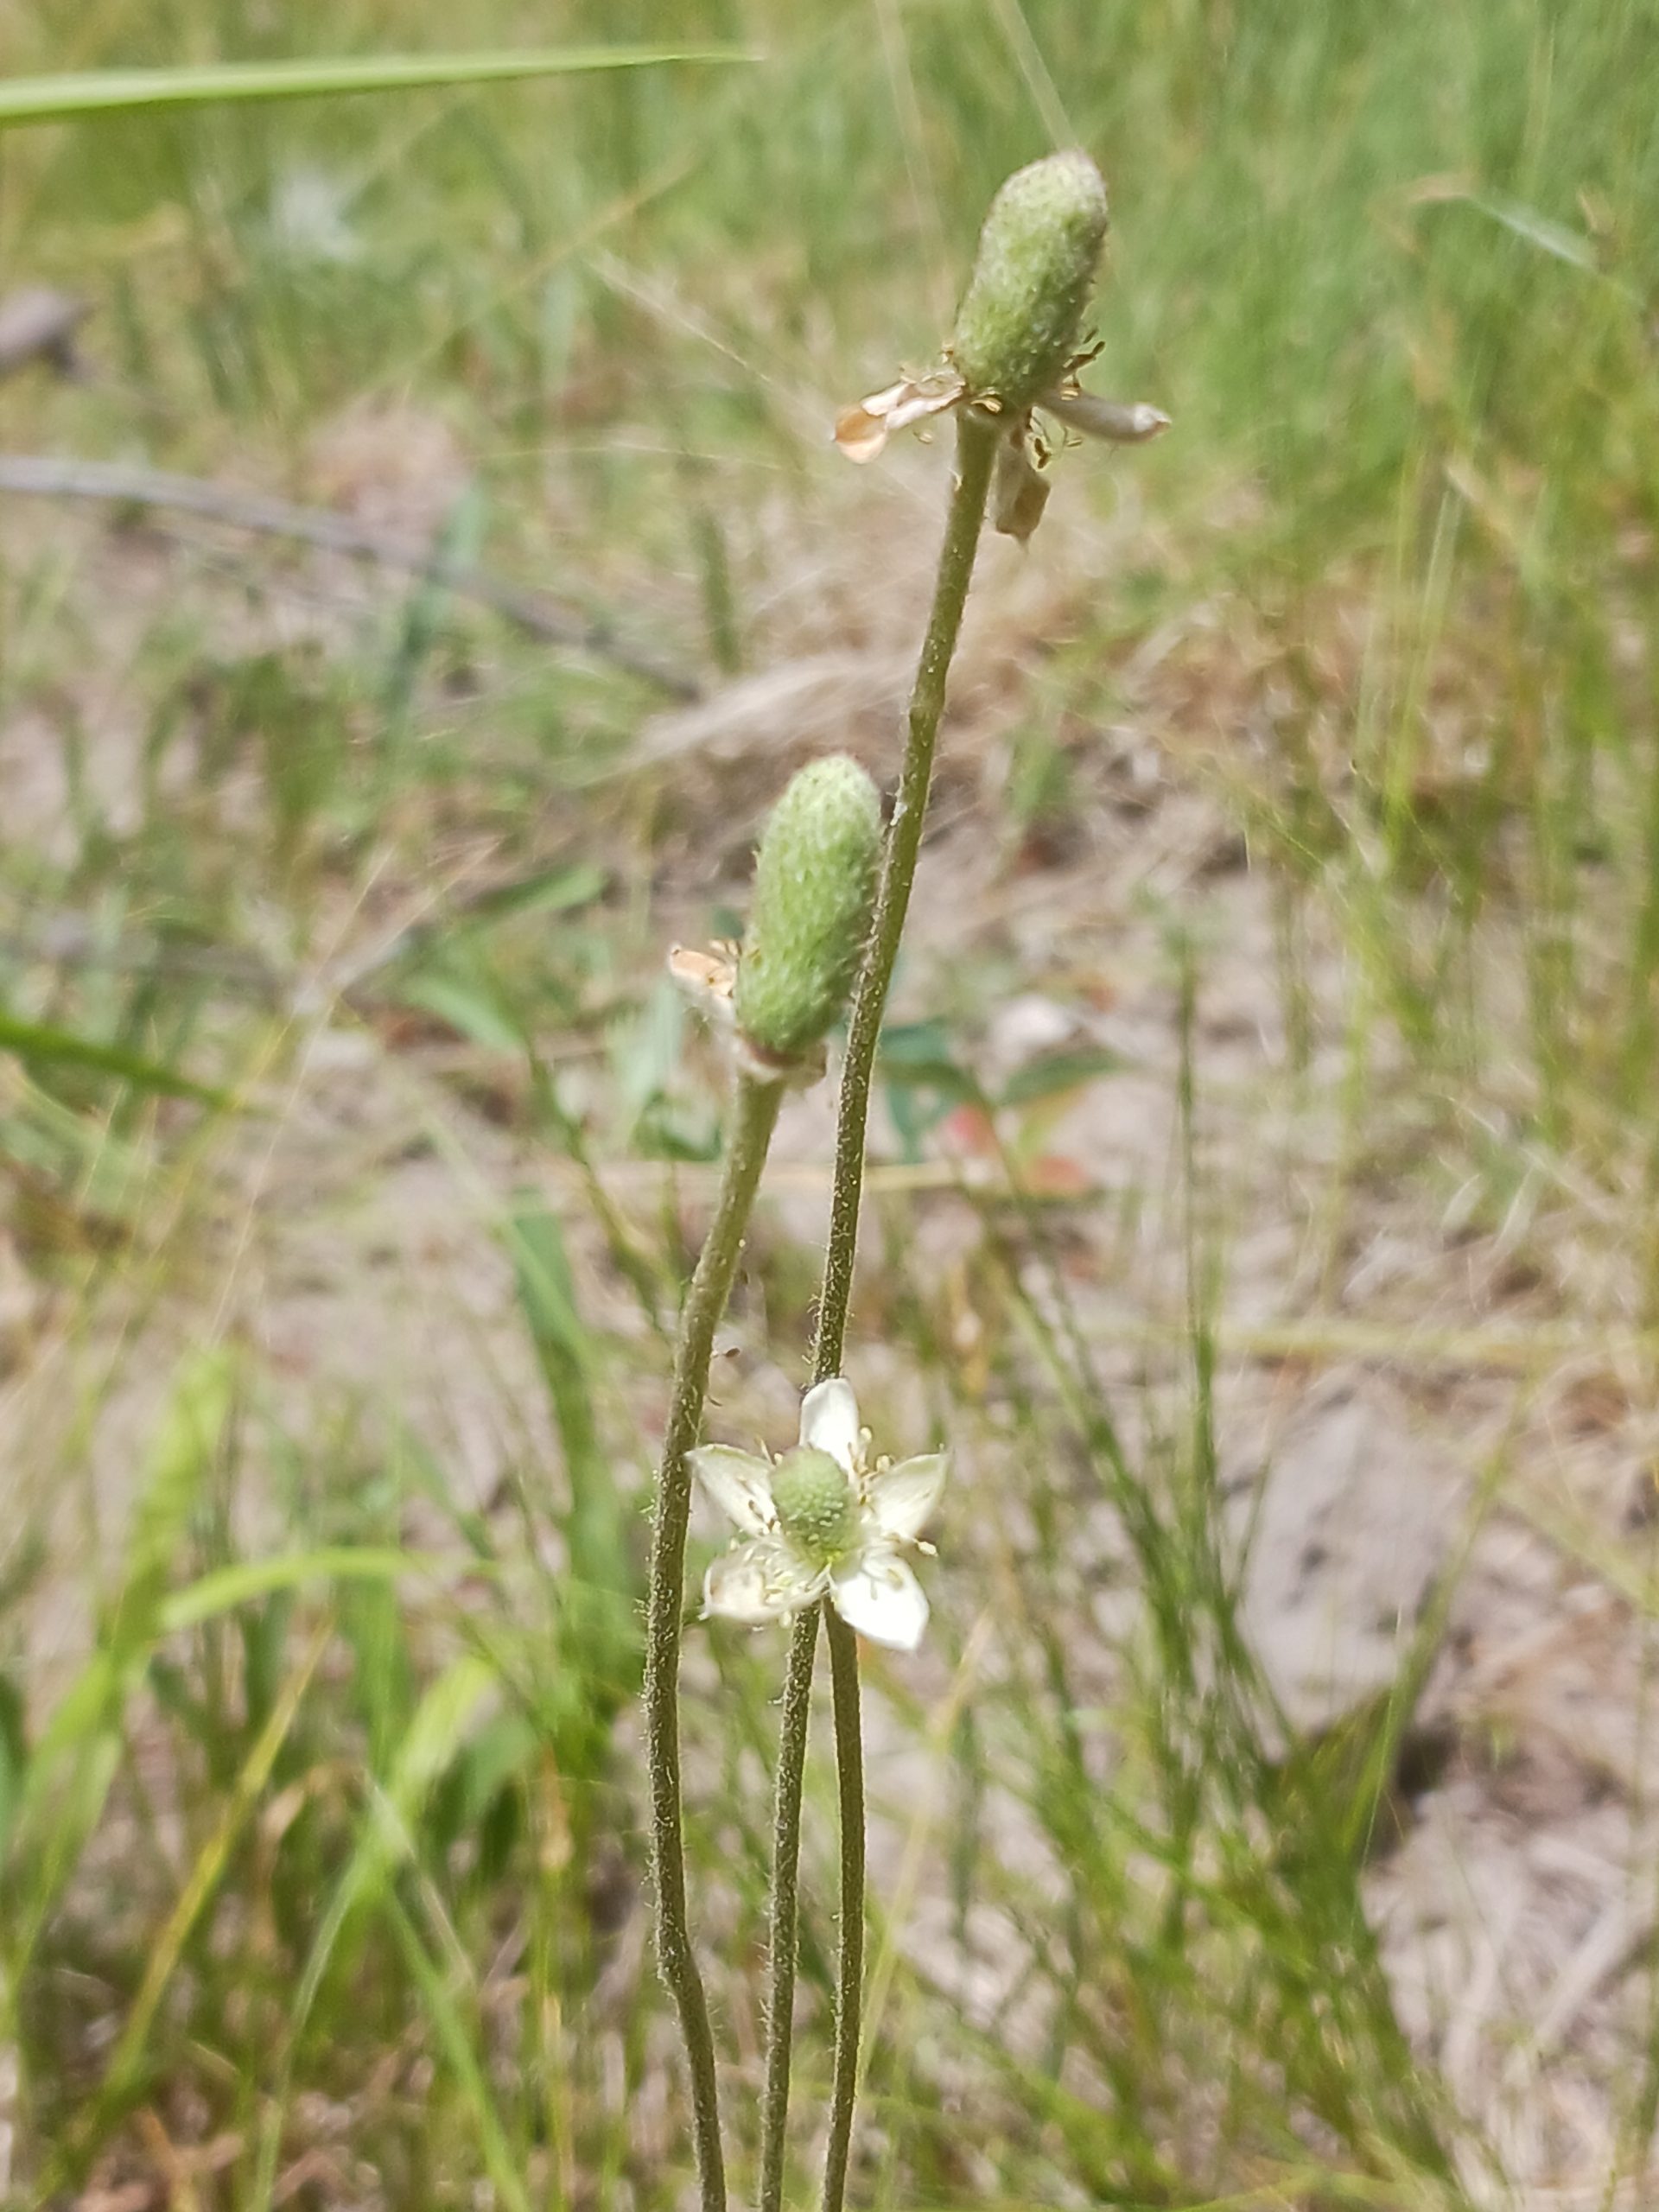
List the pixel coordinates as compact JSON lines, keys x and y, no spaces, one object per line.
{"x":814,"y":1503}
{"x":1018,"y":325}
{"x":814,"y":885}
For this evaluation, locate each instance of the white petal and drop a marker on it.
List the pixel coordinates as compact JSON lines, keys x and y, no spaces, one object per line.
{"x":878,"y":1596}
{"x":1106,"y":418}
{"x":900,"y":1499}
{"x":739,"y":1483}
{"x":759,"y":1582}
{"x":830,"y":1420}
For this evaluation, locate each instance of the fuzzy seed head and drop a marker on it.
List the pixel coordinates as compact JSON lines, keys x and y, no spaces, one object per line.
{"x":814,"y":888}
{"x":814,"y":1503}
{"x":1018,"y":324}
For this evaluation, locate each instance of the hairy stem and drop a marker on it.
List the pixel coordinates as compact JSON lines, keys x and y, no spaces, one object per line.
{"x":785,"y":1906}
{"x":975,"y":452}
{"x":849,"y":1963}
{"x":705,"y":1302}
{"x":976,"y":449}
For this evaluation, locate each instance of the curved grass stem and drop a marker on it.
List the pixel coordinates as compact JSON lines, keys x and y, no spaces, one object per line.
{"x":753,"y":1122}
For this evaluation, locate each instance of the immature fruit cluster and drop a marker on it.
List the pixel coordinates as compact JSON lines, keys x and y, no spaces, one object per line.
{"x":814,"y":1503}
{"x":814,"y":886}
{"x":1018,"y":325}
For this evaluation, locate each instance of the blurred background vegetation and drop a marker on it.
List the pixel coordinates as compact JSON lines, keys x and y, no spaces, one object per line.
{"x":1297,"y":897}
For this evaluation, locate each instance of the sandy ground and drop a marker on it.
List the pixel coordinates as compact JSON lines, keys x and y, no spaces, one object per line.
{"x":1411,"y":1375}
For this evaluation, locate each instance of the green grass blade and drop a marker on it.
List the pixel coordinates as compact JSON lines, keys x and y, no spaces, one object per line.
{"x":181,"y":1457}
{"x":458,"y":2044}
{"x":228,"y":1587}
{"x":596,"y":1653}
{"x":204,"y":1876}
{"x":68,"y":1776}
{"x":103,"y":91}
{"x":600,"y":1518}
{"x":384,"y":1841}
{"x":38,"y":1044}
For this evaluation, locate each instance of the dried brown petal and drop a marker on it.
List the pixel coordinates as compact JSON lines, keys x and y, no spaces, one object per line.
{"x":1020,"y":490}
{"x":862,"y":431}
{"x":1105,"y":418}
{"x":708,"y":980}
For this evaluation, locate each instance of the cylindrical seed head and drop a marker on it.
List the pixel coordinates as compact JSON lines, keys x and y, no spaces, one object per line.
{"x":814,"y":886}
{"x":1018,"y":324}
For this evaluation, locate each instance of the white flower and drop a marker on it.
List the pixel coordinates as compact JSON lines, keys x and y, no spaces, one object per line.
{"x":826,"y":1520}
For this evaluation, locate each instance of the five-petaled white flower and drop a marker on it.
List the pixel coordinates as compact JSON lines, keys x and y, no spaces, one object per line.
{"x":826,"y":1520}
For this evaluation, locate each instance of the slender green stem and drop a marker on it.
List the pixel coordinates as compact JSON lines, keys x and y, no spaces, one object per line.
{"x":786,"y":1907}
{"x":849,"y":1964}
{"x":705,"y":1302}
{"x":975,"y":451}
{"x":976,"y":447}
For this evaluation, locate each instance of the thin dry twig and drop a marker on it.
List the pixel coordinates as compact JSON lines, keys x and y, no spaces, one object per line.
{"x":46,"y":477}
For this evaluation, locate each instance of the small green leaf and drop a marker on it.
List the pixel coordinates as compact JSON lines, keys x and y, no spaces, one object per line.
{"x":922,"y":1082}
{"x":467,"y":1007}
{"x":918,"y":1054}
{"x":550,"y":890}
{"x":1054,"y":1072}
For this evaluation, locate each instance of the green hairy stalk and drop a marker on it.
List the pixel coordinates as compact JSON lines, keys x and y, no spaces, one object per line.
{"x":814,"y":875}
{"x":820,"y":1529}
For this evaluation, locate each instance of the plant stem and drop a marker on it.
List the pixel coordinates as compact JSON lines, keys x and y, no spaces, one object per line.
{"x":975,"y":451}
{"x":849,"y":1964}
{"x":786,"y":1907}
{"x":705,"y":1302}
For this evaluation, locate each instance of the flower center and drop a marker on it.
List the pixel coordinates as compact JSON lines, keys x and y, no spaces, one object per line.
{"x":814,"y":1503}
